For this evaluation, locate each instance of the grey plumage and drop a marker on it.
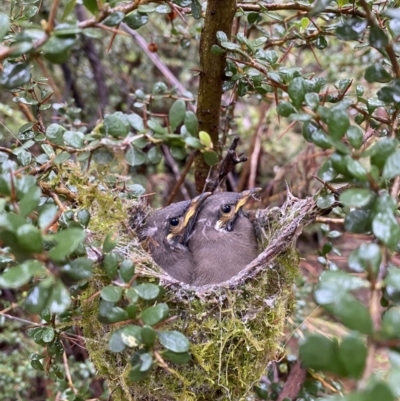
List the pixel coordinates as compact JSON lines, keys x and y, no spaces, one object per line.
{"x":166,"y":233}
{"x":223,"y":241}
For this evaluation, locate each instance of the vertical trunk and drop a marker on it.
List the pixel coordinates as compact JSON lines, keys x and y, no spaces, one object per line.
{"x":219,"y":17}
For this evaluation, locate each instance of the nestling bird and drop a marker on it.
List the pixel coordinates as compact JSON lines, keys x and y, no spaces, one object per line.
{"x":223,"y":241}
{"x":166,"y":233}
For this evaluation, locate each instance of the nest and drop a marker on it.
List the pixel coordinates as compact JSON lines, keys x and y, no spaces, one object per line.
{"x":234,"y":327}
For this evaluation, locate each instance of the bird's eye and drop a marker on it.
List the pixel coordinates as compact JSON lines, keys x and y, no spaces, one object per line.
{"x":174,"y":221}
{"x":226,"y":208}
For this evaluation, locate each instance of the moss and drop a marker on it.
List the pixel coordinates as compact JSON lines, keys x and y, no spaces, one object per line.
{"x":234,"y":332}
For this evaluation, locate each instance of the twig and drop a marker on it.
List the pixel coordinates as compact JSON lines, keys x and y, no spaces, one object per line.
{"x":157,"y":62}
{"x":68,"y":374}
{"x":175,"y":169}
{"x":227,"y":165}
{"x":181,"y":179}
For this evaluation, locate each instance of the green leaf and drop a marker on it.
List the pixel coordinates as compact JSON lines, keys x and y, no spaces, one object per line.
{"x":325,"y":201}
{"x":30,"y":201}
{"x":178,"y":152}
{"x":196,"y":9}
{"x":392,"y":282}
{"x":391,"y":323}
{"x":57,"y":48}
{"x":100,"y":156}
{"x":386,"y":228}
{"x":376,"y":73}
{"x":351,"y":29}
{"x":338,"y":123}
{"x":126,"y":270}
{"x":174,"y":341}
{"x":321,"y":42}
{"x":83,"y":217}
{"x":156,"y":127}
{"x":116,"y":125}
{"x":66,"y":242}
{"x":191,"y":123}
{"x":392,"y":166}
{"x":320,"y":353}
{"x":131,"y":335}
{"x":205,"y":139}
{"x":110,"y":264}
{"x":230,"y":46}
{"x":378,"y":38}
{"x":356,"y":169}
{"x":210,"y":157}
{"x":14,"y":75}
{"x":30,"y":238}
{"x":147,"y":291}
{"x":177,"y":114}
{"x":155,"y":314}
{"x":79,"y":269}
{"x":221,"y":36}
{"x":68,"y":9}
{"x":59,"y":299}
{"x":55,"y":134}
{"x":193,"y":142}
{"x":367,"y":257}
{"x":297,"y":91}
{"x":358,"y":222}
{"x":149,"y":336}
{"x":353,"y":355}
{"x":74,"y":139}
{"x":91,"y":5}
{"x":132,"y":295}
{"x":136,"y":122}
{"x":4,"y":25}
{"x":355,"y":136}
{"x":115,"y":343}
{"x":353,"y":313}
{"x":110,"y":242}
{"x":135,"y":157}
{"x":174,"y":357}
{"x":357,"y":197}
{"x":17,"y":276}
{"x":47,"y":215}
{"x":48,"y":334}
{"x":114,"y":19}
{"x":312,"y":100}
{"x":285,"y":109}
{"x":38,"y":296}
{"x":111,"y":293}
{"x":155,"y":155}
{"x":135,"y":20}
{"x":215,"y":49}
{"x":131,"y":310}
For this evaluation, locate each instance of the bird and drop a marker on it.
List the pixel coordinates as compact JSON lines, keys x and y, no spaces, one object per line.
{"x":165,"y":235}
{"x":223,"y":241}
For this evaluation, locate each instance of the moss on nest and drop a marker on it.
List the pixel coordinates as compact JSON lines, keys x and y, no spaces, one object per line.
{"x":234,"y":328}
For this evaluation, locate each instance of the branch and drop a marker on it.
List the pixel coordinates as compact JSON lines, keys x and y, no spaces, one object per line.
{"x":227,"y":165}
{"x":89,"y":23}
{"x":297,"y":6}
{"x":219,"y":17}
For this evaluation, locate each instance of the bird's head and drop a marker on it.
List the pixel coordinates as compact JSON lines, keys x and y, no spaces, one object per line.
{"x":223,"y":209}
{"x":174,"y":223}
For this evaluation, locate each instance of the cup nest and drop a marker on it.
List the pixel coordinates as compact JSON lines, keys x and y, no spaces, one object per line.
{"x":234,"y":327}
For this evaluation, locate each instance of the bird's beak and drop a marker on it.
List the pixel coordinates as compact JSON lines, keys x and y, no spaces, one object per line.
{"x":191,"y":213}
{"x":245,"y":196}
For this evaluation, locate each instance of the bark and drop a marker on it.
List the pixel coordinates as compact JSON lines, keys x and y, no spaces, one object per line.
{"x":219,"y":17}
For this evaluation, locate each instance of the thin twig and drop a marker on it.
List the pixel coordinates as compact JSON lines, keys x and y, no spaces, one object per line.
{"x":181,"y":179}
